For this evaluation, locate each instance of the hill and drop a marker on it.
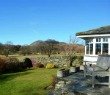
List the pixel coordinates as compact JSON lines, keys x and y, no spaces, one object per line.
{"x":51,"y":40}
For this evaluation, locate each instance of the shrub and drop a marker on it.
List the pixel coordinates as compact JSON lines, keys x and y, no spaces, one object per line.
{"x":11,"y":60}
{"x":2,"y":65}
{"x":72,"y":59}
{"x":50,"y":66}
{"x":21,"y":66}
{"x":13,"y":65}
{"x":78,"y":60}
{"x":39,"y":65}
{"x":9,"y":65}
{"x":28,"y":62}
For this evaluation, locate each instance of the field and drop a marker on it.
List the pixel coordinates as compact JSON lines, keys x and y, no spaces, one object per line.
{"x":30,"y":82}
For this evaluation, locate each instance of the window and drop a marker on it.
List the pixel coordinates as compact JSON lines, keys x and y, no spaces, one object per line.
{"x":101,"y":46}
{"x":91,"y":48}
{"x":87,"y":48}
{"x":91,"y":40}
{"x":105,"y":48}
{"x":105,"y":39}
{"x":98,"y":39}
{"x":98,"y":48}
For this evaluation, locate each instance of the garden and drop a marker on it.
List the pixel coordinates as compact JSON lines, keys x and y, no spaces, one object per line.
{"x":29,"y":82}
{"x":31,"y":75}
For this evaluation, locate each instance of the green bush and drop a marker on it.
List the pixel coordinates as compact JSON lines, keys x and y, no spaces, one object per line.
{"x":80,"y":58}
{"x":76,"y":60}
{"x":28,"y":62}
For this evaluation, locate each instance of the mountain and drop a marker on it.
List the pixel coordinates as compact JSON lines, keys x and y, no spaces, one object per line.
{"x":41,"y":42}
{"x":37,"y":42}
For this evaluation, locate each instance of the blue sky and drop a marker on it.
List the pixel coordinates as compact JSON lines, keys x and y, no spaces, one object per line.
{"x":25,"y":21}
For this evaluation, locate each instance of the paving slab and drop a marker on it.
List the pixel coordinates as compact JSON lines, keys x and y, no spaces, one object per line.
{"x":77,"y":84}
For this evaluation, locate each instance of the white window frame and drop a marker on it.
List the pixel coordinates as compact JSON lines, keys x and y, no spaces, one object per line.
{"x":102,"y":41}
{"x":94,"y":41}
{"x":90,"y":41}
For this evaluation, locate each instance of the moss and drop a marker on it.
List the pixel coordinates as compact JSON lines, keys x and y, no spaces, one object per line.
{"x":101,"y":30}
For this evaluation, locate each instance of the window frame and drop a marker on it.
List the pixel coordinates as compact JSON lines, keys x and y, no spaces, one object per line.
{"x":92,"y":50}
{"x":88,"y":46}
{"x":101,"y":41}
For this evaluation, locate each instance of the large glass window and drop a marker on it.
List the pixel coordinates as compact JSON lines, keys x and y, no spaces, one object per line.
{"x":101,"y":45}
{"x":87,"y":48}
{"x":98,"y":48}
{"x":105,"y":39}
{"x":91,"y":48}
{"x":105,"y":48}
{"x":98,"y":39}
{"x":87,"y":41}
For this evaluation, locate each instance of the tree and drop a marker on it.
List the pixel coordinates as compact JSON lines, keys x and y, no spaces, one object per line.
{"x":25,"y":50}
{"x":16,"y":48}
{"x":70,"y":49}
{"x":48,"y":47}
{"x":7,"y":48}
{"x":1,"y":48}
{"x":51,"y":46}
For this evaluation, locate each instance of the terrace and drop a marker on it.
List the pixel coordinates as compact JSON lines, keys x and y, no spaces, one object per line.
{"x":77,"y":84}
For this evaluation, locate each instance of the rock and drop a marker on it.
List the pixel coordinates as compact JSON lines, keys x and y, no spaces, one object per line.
{"x":60,"y":73}
{"x":72,"y":69}
{"x":82,"y":67}
{"x":60,"y":84}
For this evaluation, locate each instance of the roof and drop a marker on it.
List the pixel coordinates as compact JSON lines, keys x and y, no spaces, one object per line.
{"x":101,"y":30}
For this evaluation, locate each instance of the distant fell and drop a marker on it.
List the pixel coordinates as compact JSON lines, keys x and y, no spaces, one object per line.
{"x":41,"y":42}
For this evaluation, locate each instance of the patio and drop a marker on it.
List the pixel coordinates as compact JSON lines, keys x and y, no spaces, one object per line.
{"x":77,"y":84}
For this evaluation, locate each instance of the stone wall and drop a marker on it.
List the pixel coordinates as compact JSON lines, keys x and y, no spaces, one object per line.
{"x":57,"y":60}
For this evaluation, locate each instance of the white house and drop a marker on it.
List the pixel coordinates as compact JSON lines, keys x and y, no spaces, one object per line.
{"x":97,"y":42}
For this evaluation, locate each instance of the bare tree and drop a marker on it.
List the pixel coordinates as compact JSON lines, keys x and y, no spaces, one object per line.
{"x":70,"y":49}
{"x":25,"y":50}
{"x":7,"y":48}
{"x":51,"y":46}
{"x":48,"y":47}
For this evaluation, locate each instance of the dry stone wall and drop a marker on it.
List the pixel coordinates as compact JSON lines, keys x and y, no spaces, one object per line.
{"x":57,"y":60}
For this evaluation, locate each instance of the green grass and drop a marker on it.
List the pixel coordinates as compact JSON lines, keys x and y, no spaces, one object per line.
{"x":31,"y":82}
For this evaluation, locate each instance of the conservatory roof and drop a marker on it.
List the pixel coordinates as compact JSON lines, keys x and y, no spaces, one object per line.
{"x":98,"y":31}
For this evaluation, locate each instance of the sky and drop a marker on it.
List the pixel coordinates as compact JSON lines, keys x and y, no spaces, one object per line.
{"x":25,"y":21}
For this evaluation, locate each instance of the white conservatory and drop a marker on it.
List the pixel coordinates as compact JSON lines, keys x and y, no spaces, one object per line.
{"x":97,"y":42}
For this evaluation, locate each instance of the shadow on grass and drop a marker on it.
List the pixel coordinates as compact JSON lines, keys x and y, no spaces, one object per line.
{"x":10,"y":76}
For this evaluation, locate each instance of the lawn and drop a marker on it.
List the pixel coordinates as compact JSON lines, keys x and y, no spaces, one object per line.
{"x":30,"y":82}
